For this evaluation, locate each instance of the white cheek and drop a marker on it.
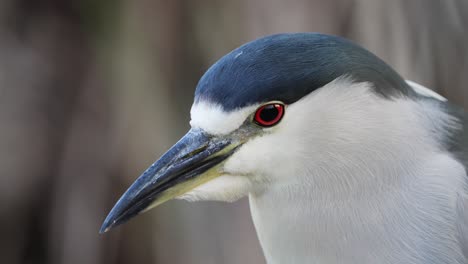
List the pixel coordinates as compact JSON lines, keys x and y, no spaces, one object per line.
{"x":273,"y":154}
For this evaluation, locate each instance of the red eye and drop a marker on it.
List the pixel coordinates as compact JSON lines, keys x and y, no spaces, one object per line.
{"x":269,"y":115}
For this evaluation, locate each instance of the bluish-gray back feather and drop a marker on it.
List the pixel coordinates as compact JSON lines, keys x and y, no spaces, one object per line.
{"x":457,"y":143}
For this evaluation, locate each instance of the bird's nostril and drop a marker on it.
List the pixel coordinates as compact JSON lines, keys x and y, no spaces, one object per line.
{"x":194,"y":152}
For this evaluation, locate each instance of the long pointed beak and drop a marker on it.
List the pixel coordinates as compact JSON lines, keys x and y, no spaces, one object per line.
{"x":192,"y":161}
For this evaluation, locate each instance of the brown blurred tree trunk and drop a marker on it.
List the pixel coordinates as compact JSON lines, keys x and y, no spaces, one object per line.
{"x":38,"y":88}
{"x":54,"y":112}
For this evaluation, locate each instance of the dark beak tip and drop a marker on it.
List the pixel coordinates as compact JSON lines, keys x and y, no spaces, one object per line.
{"x":118,"y":215}
{"x":103,"y":230}
{"x":111,"y":221}
{"x":106,"y":226}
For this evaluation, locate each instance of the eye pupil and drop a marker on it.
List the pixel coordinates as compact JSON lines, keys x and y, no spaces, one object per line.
{"x":269,"y":114}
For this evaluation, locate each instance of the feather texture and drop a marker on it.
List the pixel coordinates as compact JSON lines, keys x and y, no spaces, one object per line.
{"x":349,"y":176}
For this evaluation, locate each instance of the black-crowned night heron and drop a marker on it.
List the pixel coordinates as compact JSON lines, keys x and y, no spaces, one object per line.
{"x":343,"y":161}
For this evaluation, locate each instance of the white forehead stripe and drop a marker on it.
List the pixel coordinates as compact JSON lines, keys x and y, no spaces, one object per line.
{"x":214,"y":120}
{"x":425,"y":91}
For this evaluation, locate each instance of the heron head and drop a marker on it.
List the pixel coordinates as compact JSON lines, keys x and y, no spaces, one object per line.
{"x":257,"y":114}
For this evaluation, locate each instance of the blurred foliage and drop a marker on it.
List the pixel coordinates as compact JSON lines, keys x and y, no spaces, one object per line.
{"x":100,"y":17}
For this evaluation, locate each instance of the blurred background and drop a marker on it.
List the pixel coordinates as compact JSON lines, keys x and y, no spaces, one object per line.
{"x":93,"y":91}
